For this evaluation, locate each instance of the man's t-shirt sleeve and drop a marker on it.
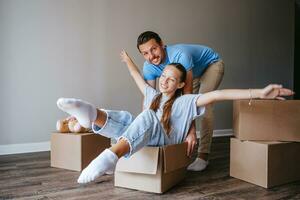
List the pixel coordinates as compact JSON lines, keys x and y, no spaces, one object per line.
{"x":148,"y":72}
{"x":186,"y":60}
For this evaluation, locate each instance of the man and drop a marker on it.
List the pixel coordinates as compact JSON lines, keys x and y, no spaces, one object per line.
{"x":205,"y":71}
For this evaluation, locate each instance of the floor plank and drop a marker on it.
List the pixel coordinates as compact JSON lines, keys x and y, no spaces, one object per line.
{"x":29,"y":176}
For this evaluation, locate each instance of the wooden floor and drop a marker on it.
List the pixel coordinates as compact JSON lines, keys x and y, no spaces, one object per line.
{"x":29,"y":176}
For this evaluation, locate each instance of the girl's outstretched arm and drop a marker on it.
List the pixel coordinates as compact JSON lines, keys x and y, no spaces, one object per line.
{"x":134,"y":71}
{"x":272,"y":91}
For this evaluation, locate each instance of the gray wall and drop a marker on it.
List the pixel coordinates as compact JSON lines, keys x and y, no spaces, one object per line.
{"x":50,"y":49}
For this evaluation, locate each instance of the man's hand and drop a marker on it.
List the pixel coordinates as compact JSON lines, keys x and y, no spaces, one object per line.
{"x":191,"y":139}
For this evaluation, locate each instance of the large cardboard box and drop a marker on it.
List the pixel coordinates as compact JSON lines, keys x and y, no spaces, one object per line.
{"x":266,"y":164}
{"x":267,"y":120}
{"x":153,"y":169}
{"x":75,"y":151}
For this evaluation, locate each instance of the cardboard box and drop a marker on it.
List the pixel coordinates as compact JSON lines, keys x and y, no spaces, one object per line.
{"x":267,"y":120}
{"x":266,"y":164}
{"x":153,"y":169}
{"x":75,"y":151}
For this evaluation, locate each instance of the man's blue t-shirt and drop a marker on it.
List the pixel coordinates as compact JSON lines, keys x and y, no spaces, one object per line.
{"x":191,"y":56}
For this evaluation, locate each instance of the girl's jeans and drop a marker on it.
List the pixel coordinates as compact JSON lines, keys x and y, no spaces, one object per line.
{"x":144,"y":130}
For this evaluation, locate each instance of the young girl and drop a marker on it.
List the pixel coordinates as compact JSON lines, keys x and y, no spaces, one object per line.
{"x":166,"y":119}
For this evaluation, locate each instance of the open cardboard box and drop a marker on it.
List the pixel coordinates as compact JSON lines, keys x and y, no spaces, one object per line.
{"x":153,"y":169}
{"x":267,"y":120}
{"x":266,"y":164}
{"x":75,"y":151}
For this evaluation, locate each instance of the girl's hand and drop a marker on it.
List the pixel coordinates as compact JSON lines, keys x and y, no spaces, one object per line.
{"x":275,"y":91}
{"x":124,"y":57}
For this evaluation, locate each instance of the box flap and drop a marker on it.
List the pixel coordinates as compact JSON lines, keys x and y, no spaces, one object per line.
{"x":175,"y":157}
{"x":144,"y":161}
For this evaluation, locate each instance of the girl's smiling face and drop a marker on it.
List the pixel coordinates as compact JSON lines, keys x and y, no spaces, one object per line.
{"x":170,"y":80}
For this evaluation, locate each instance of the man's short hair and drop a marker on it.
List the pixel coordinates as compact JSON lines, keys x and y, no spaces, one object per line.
{"x":146,"y":36}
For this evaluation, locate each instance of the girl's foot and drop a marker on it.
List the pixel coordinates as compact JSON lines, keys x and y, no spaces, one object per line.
{"x":105,"y":162}
{"x":83,"y":111}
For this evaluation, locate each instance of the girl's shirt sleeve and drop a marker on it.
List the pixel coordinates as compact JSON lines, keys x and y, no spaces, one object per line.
{"x":186,"y":107}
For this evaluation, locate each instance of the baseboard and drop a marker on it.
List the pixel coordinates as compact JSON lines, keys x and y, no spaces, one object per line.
{"x":24,"y":148}
{"x":223,"y":132}
{"x":220,"y":133}
{"x":45,"y":146}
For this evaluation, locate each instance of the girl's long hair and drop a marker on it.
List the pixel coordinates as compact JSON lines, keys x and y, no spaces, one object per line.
{"x":166,"y":116}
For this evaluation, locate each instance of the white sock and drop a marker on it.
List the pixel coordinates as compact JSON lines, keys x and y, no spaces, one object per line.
{"x":198,"y":165}
{"x":106,"y":161}
{"x":110,"y":172}
{"x":83,"y":111}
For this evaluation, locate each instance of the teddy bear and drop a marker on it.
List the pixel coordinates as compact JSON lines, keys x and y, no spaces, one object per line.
{"x":70,"y":125}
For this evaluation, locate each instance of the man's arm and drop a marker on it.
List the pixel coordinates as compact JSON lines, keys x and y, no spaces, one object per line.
{"x":188,"y":88}
{"x":191,"y":138}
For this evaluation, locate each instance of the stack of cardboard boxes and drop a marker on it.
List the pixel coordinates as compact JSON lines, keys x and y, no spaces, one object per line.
{"x":152,"y":169}
{"x":266,"y":147}
{"x":265,"y":150}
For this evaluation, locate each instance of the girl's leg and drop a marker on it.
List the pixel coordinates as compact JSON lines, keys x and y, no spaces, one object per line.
{"x":101,"y":118}
{"x":108,"y":123}
{"x":121,"y":148}
{"x":144,"y":130}
{"x":111,"y":123}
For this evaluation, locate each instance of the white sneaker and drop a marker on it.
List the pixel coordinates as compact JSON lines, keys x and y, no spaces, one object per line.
{"x":198,"y":165}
